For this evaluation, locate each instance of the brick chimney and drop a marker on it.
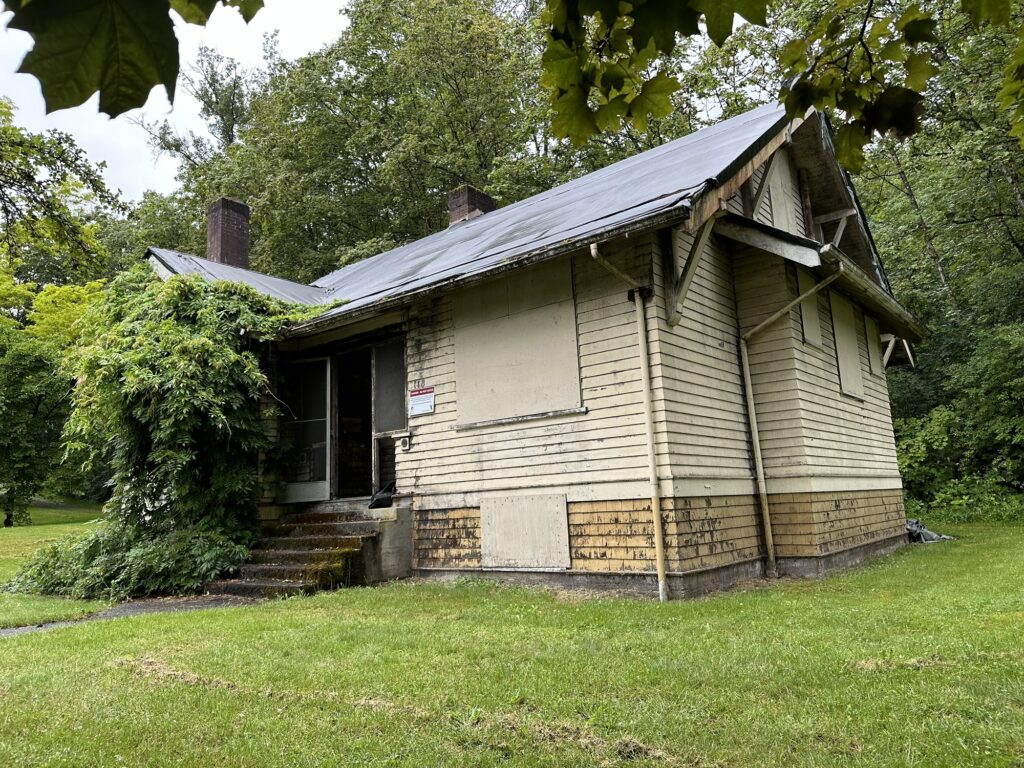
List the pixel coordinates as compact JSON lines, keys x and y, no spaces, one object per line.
{"x":466,"y":203}
{"x":227,"y":232}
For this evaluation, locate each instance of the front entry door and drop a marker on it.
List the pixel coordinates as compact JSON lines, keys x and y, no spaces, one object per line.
{"x":353,"y":462}
{"x":306,"y":430}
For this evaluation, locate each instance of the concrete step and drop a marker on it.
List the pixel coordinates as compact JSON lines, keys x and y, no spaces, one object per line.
{"x":259,"y":587}
{"x":299,"y":518}
{"x":342,"y":528}
{"x":311,"y":556}
{"x":294,"y":543}
{"x":354,"y":505}
{"x":340,"y":573}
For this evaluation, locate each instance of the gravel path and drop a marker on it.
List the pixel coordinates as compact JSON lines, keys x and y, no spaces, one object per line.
{"x":137,"y":608}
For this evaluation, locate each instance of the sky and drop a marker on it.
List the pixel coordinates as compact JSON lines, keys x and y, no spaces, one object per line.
{"x":303,"y":26}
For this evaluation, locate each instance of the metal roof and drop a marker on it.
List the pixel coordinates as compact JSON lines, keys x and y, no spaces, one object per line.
{"x":654,"y":182}
{"x":277,"y":287}
{"x":659,"y":182}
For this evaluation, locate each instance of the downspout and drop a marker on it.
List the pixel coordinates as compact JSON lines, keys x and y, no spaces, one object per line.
{"x":639,"y":292}
{"x":755,"y":438}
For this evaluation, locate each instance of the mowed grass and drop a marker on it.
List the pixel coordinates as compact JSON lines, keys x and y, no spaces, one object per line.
{"x":917,"y":659}
{"x":18,"y":543}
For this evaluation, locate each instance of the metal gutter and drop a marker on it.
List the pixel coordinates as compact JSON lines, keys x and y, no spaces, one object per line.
{"x":871,"y":296}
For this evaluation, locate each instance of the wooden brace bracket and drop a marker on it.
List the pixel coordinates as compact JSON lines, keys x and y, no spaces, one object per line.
{"x":682,"y":283}
{"x":762,"y":187}
{"x":842,"y":216}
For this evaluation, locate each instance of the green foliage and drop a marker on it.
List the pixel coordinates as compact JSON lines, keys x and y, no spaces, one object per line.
{"x":169,"y":380}
{"x":599,"y":61}
{"x":974,"y":500}
{"x":58,"y":312}
{"x":46,"y":183}
{"x":119,"y":48}
{"x":870,"y":62}
{"x":33,"y":405}
{"x":118,"y":561}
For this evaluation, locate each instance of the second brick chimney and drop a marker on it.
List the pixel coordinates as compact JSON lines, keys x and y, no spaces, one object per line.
{"x":467,"y":202}
{"x":227,"y":232}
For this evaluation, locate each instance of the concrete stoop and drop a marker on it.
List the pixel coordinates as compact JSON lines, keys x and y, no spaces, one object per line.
{"x":326,"y":546}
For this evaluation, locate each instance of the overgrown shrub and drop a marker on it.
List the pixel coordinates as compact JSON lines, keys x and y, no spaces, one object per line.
{"x":169,"y":380}
{"x":975,"y":500}
{"x":119,"y":560}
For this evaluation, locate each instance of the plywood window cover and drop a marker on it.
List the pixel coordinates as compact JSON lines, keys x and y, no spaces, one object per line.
{"x":847,"y":350}
{"x":516,"y":348}
{"x":525,"y":532}
{"x":810,"y":320}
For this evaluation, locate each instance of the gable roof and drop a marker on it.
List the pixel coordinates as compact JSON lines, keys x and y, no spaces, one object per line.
{"x":654,"y":188}
{"x":277,"y":287}
{"x":618,"y":198}
{"x":659,"y":181}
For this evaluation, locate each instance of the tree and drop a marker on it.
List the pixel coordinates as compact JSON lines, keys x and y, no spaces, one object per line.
{"x":604,"y":62}
{"x":33,"y":406}
{"x":119,"y":48}
{"x":46,"y":187}
{"x":868,"y":60}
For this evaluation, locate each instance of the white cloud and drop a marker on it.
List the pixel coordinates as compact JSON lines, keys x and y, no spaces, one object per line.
{"x":302,"y":25}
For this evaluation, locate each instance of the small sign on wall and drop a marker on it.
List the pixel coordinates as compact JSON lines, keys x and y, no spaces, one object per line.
{"x":421,"y":401}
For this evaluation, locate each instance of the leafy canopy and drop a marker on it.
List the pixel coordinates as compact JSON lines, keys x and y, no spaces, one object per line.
{"x":120,"y":48}
{"x":46,"y":182}
{"x":606,"y":62}
{"x":169,"y":378}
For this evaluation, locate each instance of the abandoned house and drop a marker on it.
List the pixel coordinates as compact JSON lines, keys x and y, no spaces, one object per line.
{"x":666,"y":374}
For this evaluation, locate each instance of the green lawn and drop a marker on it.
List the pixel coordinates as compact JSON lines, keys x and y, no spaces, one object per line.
{"x":16,"y":544}
{"x":915,"y":660}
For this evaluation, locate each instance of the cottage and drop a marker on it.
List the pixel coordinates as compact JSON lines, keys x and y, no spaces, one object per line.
{"x":667,"y":374}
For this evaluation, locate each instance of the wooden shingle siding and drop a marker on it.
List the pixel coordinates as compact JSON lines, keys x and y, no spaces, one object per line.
{"x":813,"y":524}
{"x":446,"y":538}
{"x":613,"y":536}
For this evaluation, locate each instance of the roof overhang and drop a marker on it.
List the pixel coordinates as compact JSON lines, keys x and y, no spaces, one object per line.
{"x":826,"y":258}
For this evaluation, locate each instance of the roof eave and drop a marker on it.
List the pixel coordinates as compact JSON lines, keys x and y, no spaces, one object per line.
{"x":327,"y":322}
{"x":871,"y":296}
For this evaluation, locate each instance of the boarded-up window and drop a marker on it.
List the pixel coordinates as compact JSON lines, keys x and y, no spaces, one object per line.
{"x":389,"y":412}
{"x":844,"y":325}
{"x":874,"y":345}
{"x":782,"y":187}
{"x":515,"y":345}
{"x":809,"y":316}
{"x":524,"y":532}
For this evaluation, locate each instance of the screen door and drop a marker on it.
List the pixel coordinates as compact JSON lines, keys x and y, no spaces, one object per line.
{"x":305,"y":430}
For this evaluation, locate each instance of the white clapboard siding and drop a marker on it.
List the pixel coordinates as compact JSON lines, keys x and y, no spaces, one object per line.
{"x":605,"y":445}
{"x":698,"y":385}
{"x":845,"y":435}
{"x":762,"y":287}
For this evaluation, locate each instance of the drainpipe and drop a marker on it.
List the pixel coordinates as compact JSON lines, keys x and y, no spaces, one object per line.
{"x":755,"y":439}
{"x":639,"y":292}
